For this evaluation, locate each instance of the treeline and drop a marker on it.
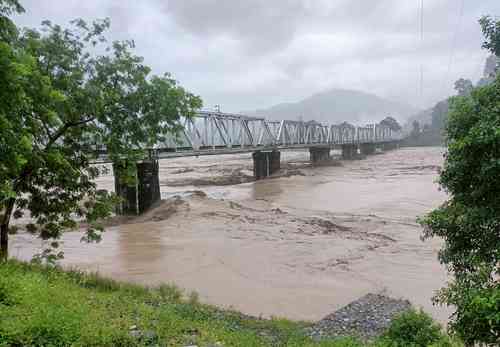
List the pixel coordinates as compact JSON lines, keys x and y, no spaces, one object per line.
{"x":427,"y":128}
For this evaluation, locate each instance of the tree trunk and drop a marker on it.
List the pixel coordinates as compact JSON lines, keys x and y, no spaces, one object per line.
{"x":4,"y":230}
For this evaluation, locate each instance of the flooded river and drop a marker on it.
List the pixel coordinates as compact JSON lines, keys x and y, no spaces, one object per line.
{"x":299,"y":246}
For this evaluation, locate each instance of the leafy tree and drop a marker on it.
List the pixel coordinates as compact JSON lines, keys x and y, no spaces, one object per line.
{"x":469,"y":222}
{"x":57,"y":100}
{"x":8,"y":30}
{"x":391,"y":123}
{"x":439,"y":115}
{"x":415,"y":130}
{"x":491,"y":32}
{"x":463,"y":86}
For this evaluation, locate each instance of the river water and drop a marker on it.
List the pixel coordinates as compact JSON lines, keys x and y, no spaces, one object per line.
{"x":299,"y":246}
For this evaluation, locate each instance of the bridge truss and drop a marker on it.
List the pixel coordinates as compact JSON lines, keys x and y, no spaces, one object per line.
{"x":218,"y":133}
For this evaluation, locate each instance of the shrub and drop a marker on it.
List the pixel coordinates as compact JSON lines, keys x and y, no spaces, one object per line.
{"x":416,"y":329}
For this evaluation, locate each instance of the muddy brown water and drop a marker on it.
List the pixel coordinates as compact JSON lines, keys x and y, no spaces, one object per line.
{"x":298,"y":247}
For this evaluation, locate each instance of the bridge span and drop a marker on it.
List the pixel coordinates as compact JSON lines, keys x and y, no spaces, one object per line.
{"x":213,"y":133}
{"x":209,"y":133}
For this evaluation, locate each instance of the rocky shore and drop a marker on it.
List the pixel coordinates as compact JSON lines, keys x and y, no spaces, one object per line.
{"x":366,"y":318}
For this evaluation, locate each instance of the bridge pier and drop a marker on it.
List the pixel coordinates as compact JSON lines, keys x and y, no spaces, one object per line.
{"x":139,"y":196}
{"x":265,"y":163}
{"x":319,"y":155}
{"x":387,"y":146}
{"x":349,"y":151}
{"x":367,"y":148}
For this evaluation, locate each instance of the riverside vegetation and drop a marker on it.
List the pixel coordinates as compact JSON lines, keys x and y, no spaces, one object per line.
{"x":45,"y":306}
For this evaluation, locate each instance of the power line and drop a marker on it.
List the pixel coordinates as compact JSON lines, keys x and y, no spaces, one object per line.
{"x":453,"y":44}
{"x":422,"y":47}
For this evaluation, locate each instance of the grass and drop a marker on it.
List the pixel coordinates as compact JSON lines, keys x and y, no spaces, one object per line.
{"x":43,"y":306}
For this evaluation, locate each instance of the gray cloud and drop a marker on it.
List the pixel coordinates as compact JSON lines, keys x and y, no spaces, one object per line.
{"x":254,"y":53}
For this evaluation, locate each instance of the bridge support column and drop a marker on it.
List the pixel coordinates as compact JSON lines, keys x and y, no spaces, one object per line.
{"x":139,"y":196}
{"x":367,"y":148}
{"x":349,"y":151}
{"x":387,"y":146}
{"x":319,"y":155}
{"x":265,"y":163}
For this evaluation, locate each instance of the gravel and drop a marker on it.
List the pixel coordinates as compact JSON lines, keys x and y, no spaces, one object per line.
{"x":365,"y":318}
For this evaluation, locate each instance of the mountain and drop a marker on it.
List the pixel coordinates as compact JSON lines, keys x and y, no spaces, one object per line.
{"x":339,"y":105}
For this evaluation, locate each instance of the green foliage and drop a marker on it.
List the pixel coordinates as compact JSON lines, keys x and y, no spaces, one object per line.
{"x":8,"y":30}
{"x":414,"y":329}
{"x":491,"y":32}
{"x":463,"y":87}
{"x":469,"y":222}
{"x":58,"y":100}
{"x":478,"y":310}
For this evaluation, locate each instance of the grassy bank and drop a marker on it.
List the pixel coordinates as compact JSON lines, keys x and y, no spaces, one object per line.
{"x":42,"y":306}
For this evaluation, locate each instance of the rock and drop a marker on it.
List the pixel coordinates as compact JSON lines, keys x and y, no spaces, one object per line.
{"x":366,"y":318}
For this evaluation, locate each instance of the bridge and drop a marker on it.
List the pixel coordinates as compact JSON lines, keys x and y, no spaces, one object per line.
{"x":213,"y":133}
{"x":209,"y":133}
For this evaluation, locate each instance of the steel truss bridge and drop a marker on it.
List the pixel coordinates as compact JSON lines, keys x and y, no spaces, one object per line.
{"x":221,"y":133}
{"x":211,"y":133}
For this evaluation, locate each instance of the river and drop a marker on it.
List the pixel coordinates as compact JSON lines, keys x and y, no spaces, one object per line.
{"x":298,"y":246}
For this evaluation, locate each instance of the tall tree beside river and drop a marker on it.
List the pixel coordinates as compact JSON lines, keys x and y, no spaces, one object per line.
{"x":57,"y":100}
{"x":469,"y":221}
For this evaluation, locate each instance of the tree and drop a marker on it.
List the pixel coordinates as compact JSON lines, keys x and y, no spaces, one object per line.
{"x":415,"y":131}
{"x":463,"y":86}
{"x":491,"y":32}
{"x":469,"y":222}
{"x":70,"y":100}
{"x":391,"y":123}
{"x":439,"y":115}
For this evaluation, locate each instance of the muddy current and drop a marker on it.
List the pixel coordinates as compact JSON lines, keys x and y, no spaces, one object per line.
{"x":300,"y":246}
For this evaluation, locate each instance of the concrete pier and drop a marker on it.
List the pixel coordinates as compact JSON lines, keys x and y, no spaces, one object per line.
{"x":265,"y":163}
{"x":349,"y":151}
{"x":387,"y":146}
{"x":138,"y":194}
{"x":367,"y":148}
{"x":318,"y":155}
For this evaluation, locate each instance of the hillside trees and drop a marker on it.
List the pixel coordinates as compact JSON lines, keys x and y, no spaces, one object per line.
{"x":57,"y":100}
{"x":391,"y":123}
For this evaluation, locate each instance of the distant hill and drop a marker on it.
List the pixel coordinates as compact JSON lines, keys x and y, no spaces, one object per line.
{"x":338,"y":105}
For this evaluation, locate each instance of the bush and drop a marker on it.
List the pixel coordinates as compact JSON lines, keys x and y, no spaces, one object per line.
{"x":416,"y":329}
{"x":478,"y":312}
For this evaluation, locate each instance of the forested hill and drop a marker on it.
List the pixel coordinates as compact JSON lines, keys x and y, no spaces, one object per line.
{"x":338,"y":105}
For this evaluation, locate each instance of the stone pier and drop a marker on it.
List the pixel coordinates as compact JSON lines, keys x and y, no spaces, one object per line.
{"x":265,"y":163}
{"x":140,"y":194}
{"x":319,"y":155}
{"x":349,"y":151}
{"x":367,"y":148}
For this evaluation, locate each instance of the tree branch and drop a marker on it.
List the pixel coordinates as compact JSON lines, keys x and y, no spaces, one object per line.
{"x":65,"y":128}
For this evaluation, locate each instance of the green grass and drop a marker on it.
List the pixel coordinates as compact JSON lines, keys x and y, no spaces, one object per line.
{"x":42,"y":306}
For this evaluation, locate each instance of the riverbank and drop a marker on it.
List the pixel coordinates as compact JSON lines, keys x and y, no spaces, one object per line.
{"x":45,"y":306}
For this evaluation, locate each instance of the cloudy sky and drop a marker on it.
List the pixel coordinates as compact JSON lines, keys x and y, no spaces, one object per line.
{"x":249,"y":54}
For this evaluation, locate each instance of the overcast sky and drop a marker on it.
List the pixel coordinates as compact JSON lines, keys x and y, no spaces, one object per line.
{"x":250,"y":54}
